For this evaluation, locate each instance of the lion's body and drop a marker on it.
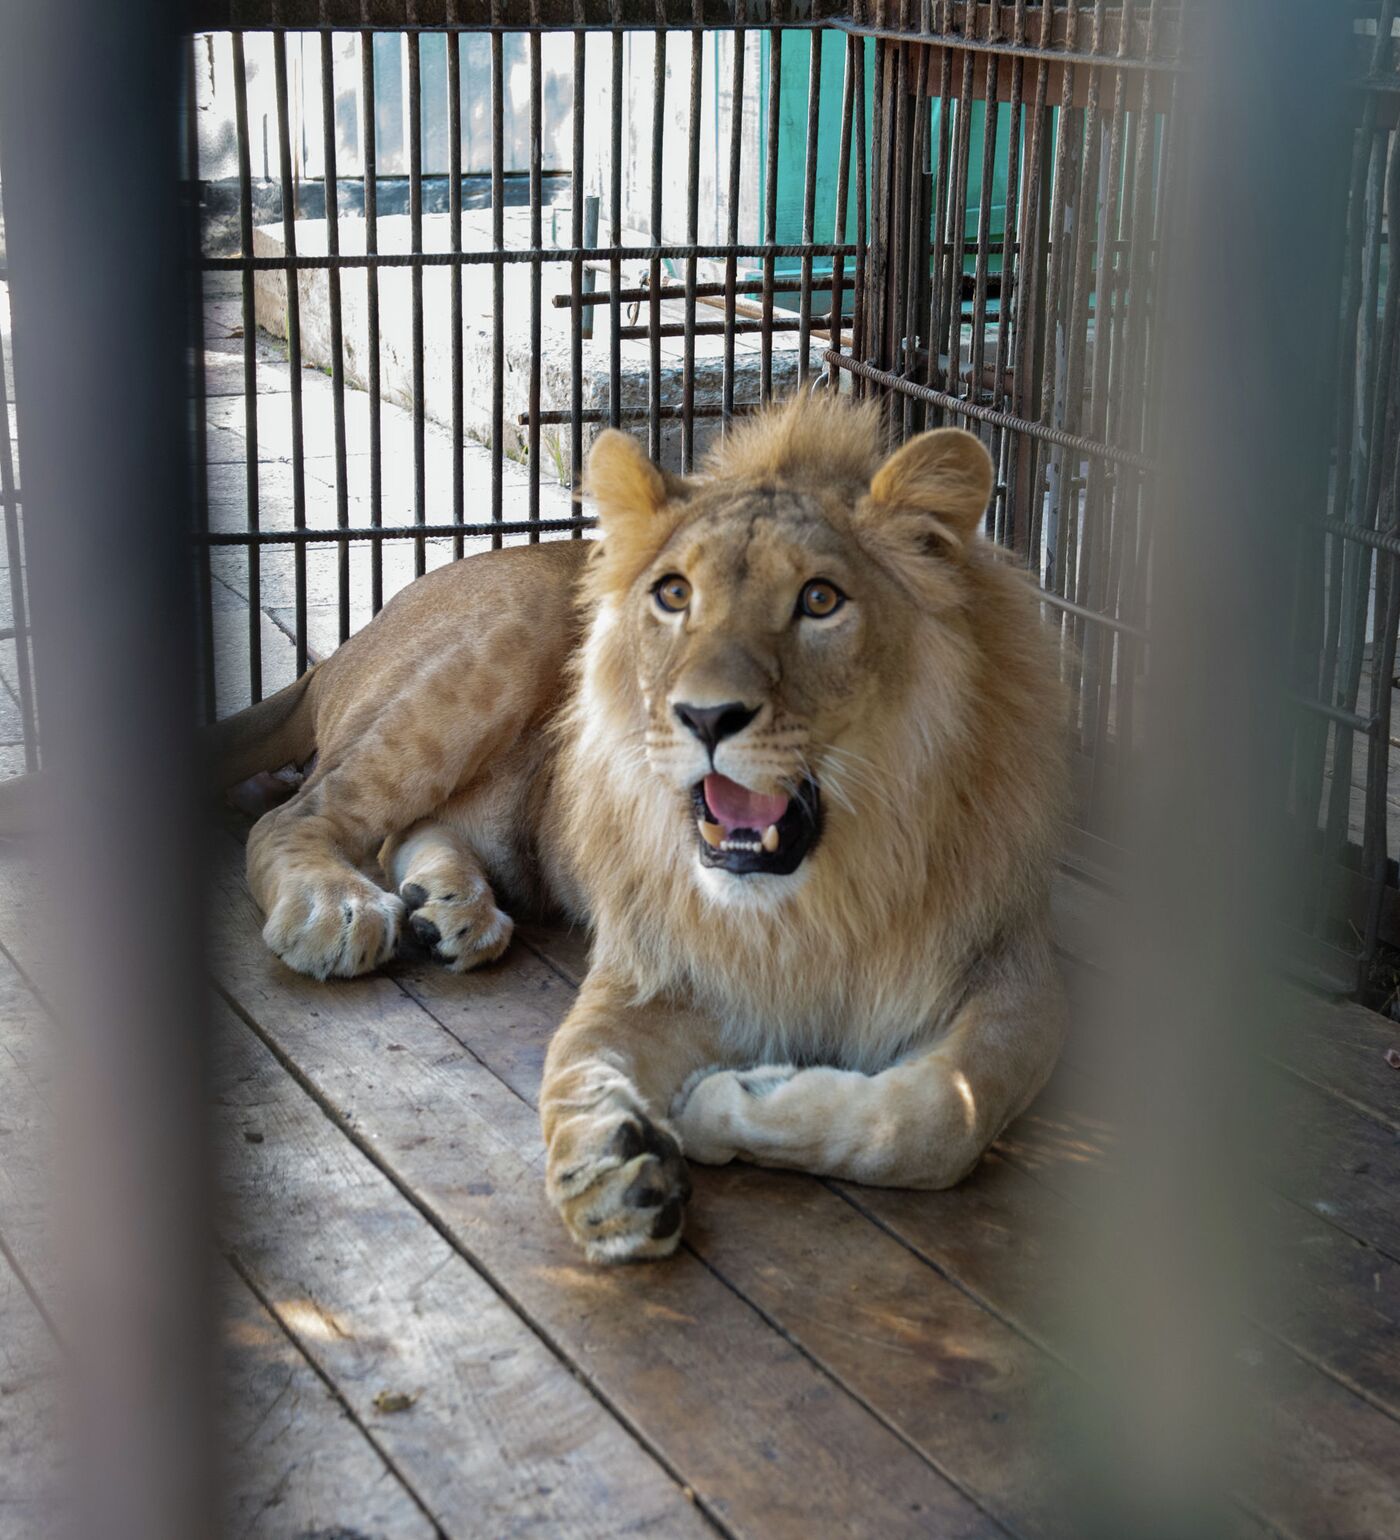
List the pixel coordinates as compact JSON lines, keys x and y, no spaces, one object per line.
{"x":507,"y":731}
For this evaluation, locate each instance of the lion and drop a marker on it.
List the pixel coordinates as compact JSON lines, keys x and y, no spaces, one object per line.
{"x":789,"y":739}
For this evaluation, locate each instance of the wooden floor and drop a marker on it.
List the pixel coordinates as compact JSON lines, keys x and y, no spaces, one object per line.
{"x":413,"y":1348}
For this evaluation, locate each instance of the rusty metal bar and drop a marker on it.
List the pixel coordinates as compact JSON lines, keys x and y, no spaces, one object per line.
{"x":690,"y":290}
{"x":498,"y":277}
{"x":536,"y":276}
{"x":250,"y":363}
{"x":199,"y":457}
{"x":507,"y":256}
{"x":289,"y":246}
{"x":342,"y":489}
{"x":453,"y":43}
{"x":370,"y":165}
{"x":964,"y":408}
{"x":731,"y":254}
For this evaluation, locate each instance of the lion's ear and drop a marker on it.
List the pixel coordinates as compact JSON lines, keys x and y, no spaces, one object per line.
{"x":945,"y":475}
{"x":629,"y":488}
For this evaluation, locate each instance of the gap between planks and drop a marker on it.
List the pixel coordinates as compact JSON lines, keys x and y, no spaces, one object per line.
{"x":1300,"y":1376}
{"x":277,"y":1415}
{"x":500,"y":1434}
{"x":648,"y":1293}
{"x":601,"y":1483}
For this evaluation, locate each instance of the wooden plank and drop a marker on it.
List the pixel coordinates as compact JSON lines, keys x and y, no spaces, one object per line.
{"x":1331,"y":1284}
{"x":975,"y":1398}
{"x":1341,"y":1048}
{"x":500,"y":1438}
{"x":294,"y":1464}
{"x":1327,"y":1460}
{"x":1341,"y":1164}
{"x":692,"y":1368}
{"x":1330,"y":1157}
{"x":1336,"y":1045}
{"x":30,"y":1443}
{"x":1000,"y":1238}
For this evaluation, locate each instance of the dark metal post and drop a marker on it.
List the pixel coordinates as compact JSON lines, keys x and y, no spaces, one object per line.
{"x":1181,"y":1043}
{"x":91,"y":124}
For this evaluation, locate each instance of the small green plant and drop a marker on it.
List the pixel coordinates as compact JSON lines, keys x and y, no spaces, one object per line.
{"x":563,"y":470}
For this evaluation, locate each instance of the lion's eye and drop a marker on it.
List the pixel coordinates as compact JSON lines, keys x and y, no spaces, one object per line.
{"x":820,"y":599}
{"x":672,"y":593}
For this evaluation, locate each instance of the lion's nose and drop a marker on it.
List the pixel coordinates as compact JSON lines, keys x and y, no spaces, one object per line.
{"x":712,"y":724}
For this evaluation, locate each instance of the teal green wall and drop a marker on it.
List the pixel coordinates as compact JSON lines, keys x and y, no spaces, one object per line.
{"x":792,"y":143}
{"x":792,"y":137}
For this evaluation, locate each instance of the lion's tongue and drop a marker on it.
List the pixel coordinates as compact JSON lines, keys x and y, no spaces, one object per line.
{"x":736,"y":807}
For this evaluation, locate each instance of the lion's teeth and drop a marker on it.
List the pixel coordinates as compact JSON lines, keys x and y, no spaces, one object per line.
{"x":712,"y":834}
{"x":770,"y":838}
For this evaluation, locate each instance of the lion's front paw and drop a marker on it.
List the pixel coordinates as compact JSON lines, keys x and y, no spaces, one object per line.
{"x":620,"y":1188}
{"x":715,"y":1109}
{"x":337,"y":926}
{"x":460,"y":929}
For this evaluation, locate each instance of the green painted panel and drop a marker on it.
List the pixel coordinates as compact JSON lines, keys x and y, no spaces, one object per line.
{"x":793,"y":76}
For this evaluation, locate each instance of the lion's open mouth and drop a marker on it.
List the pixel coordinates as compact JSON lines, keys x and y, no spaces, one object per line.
{"x":745,"y":831}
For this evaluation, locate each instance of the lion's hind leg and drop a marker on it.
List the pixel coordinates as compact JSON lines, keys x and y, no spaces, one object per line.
{"x":325,"y":917}
{"x":451,"y":907}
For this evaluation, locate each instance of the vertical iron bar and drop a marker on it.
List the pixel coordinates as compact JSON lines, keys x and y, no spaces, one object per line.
{"x":896,"y":204}
{"x":961,"y":157}
{"x":369,"y":153}
{"x":1060,"y":234}
{"x":250,"y":365}
{"x":577,"y":200}
{"x":1103,"y":511}
{"x":454,"y":205}
{"x":498,"y":274}
{"x":942,"y":221}
{"x":658,"y":137}
{"x":858,"y":312}
{"x":838,"y":236}
{"x":199,"y":477}
{"x":615,"y":231}
{"x":873,"y":345}
{"x":692,"y":235}
{"x":293,"y":282}
{"x":809,"y":209}
{"x":913,"y":240}
{"x":770,"y":212}
{"x":990,"y":110}
{"x":1008,"y":532}
{"x":415,"y":240}
{"x":536,"y":240}
{"x":736,"y":126}
{"x":342,"y":495}
{"x":1031,"y":323}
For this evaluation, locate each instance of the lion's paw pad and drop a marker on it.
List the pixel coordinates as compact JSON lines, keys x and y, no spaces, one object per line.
{"x":459,"y":927}
{"x":625,"y":1200}
{"x":334,"y":929}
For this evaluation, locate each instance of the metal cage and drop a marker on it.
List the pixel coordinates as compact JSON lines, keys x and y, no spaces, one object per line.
{"x":956,"y":205}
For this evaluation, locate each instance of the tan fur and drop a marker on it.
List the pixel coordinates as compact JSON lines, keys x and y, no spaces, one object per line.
{"x":881,"y":1013}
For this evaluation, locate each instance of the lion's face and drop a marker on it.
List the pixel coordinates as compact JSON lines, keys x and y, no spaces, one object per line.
{"x":759,"y":630}
{"x":764,"y":626}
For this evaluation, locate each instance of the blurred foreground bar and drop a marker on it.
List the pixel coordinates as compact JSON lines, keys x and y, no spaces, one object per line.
{"x":1251,"y":291}
{"x":89,"y":126}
